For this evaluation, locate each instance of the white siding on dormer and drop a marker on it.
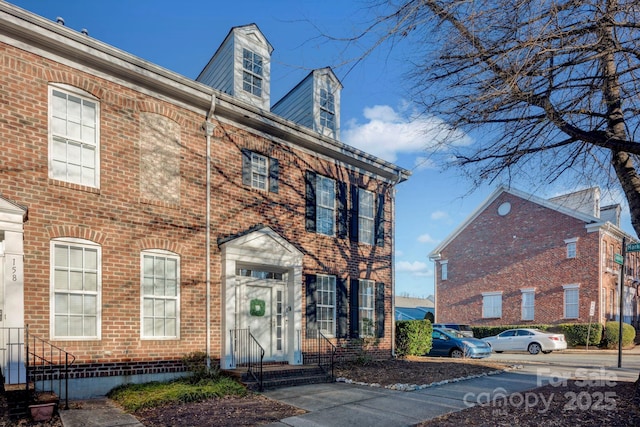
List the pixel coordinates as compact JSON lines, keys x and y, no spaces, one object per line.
{"x":225,"y":70}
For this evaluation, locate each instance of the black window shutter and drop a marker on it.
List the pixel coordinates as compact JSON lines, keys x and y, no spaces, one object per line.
{"x":342,"y":308}
{"x":246,"y":167}
{"x":342,"y":210}
{"x":310,"y":311}
{"x":380,"y":310}
{"x":379,"y":224}
{"x":355,"y":205}
{"x":310,"y":201}
{"x":274,"y":174}
{"x":354,"y":310}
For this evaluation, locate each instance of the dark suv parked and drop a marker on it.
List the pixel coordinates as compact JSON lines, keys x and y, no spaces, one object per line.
{"x":464,"y":329}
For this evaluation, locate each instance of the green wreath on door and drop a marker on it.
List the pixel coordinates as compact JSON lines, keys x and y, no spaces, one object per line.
{"x":257,"y":307}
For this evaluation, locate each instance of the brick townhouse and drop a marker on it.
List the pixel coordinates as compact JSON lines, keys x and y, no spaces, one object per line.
{"x":145,"y":215}
{"x":519,"y":259}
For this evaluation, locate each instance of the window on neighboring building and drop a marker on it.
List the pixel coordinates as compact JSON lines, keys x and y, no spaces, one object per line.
{"x":571,"y":247}
{"x":528,"y":304}
{"x":260,"y":172}
{"x":327,"y":110}
{"x":366,"y":217}
{"x":73,"y":126}
{"x":160,"y":294}
{"x":326,"y":304}
{"x":252,"y":74}
{"x":76,"y":283}
{"x":366,"y":304}
{"x":444,"y":270}
{"x":491,"y":305}
{"x":571,"y":294}
{"x":325,"y":205}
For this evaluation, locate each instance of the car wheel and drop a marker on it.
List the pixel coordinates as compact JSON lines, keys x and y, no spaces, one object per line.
{"x":534,"y":348}
{"x":546,"y":352}
{"x":456,"y":353}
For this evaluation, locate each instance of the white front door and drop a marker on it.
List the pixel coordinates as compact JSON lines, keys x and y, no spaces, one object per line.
{"x":262,"y":311}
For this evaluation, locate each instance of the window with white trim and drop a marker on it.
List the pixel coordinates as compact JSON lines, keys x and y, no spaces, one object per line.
{"x":327,"y":110}
{"x":75,"y":289}
{"x":571,"y":299}
{"x":366,"y":217}
{"x":491,"y":305}
{"x":366,"y":304}
{"x":571,"y":247}
{"x":252,"y":73}
{"x":326,"y":304}
{"x":444,"y":270}
{"x":528,"y":304}
{"x":74,"y":154}
{"x":325,"y":205}
{"x":259,"y":171}
{"x":160,"y":294}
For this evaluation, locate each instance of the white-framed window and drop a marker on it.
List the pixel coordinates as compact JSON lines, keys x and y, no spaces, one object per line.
{"x":528,"y":304}
{"x":259,"y":171}
{"x":160,"y":305}
{"x":326,"y":304}
{"x":366,"y":305}
{"x":444,"y":270}
{"x":74,"y":152}
{"x":366,"y":217}
{"x":571,"y":299}
{"x":325,"y":205}
{"x":75,"y":289}
{"x":327,"y":110}
{"x":252,"y":73}
{"x":571,"y":247}
{"x":491,"y":305}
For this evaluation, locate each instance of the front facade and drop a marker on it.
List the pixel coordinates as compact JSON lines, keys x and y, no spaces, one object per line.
{"x":145,"y":216}
{"x":519,"y":260}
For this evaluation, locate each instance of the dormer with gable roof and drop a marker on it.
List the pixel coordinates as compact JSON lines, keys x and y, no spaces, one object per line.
{"x":241,"y":66}
{"x":314,"y":103}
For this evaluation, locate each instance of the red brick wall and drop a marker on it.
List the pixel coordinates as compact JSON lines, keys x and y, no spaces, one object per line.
{"x":523,"y":249}
{"x":124,"y":223}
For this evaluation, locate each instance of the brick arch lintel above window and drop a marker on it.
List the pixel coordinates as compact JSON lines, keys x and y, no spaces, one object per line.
{"x":77,"y":232}
{"x":154,"y":243}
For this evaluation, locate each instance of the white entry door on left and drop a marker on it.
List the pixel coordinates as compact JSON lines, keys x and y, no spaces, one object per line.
{"x":262,"y":310}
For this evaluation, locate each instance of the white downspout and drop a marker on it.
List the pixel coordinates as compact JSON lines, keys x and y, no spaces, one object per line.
{"x":208,"y":128}
{"x":393,"y":264}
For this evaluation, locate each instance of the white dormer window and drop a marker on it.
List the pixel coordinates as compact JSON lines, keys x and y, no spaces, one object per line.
{"x":252,"y":73}
{"x":327,"y":110}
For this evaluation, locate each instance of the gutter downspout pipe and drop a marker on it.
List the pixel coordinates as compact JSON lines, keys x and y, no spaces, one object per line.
{"x":393,"y":264}
{"x":208,"y":128}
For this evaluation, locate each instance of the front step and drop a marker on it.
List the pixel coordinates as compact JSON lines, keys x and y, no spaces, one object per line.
{"x":18,"y":401}
{"x":276,"y":376}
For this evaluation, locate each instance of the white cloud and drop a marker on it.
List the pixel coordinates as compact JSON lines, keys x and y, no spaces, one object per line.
{"x":426,"y":238}
{"x":437,"y":215}
{"x":387,"y":133}
{"x":413,"y":267}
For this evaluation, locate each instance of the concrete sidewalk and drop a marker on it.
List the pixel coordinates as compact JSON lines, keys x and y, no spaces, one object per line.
{"x":341,"y":404}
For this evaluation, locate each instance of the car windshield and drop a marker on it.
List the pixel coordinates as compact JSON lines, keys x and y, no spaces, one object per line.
{"x":453,"y":333}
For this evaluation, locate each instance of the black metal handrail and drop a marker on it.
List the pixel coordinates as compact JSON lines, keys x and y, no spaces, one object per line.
{"x":247,"y":352}
{"x":318,"y":349}
{"x":46,"y":366}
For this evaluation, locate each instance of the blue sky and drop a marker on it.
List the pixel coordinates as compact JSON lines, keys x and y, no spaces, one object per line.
{"x":376,"y":114}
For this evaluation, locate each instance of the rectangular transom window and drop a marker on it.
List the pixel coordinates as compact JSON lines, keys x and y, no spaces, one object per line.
{"x":366,"y":216}
{"x":326,"y":304}
{"x":366,"y":304}
{"x":160,"y":294}
{"x":325,"y":205}
{"x":75,"y":278}
{"x":73,"y":149}
{"x":252,"y":74}
{"x":492,"y":305}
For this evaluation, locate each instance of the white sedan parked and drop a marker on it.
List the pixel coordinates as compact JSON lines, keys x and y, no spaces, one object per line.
{"x":532,"y":340}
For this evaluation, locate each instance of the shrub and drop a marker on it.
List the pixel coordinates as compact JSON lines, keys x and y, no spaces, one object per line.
{"x":413,"y":337}
{"x":611,"y":334}
{"x":196,"y":364}
{"x":576,"y":333}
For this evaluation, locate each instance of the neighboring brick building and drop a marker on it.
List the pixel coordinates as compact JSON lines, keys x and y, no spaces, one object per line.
{"x":108,"y":247}
{"x":519,"y":259}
